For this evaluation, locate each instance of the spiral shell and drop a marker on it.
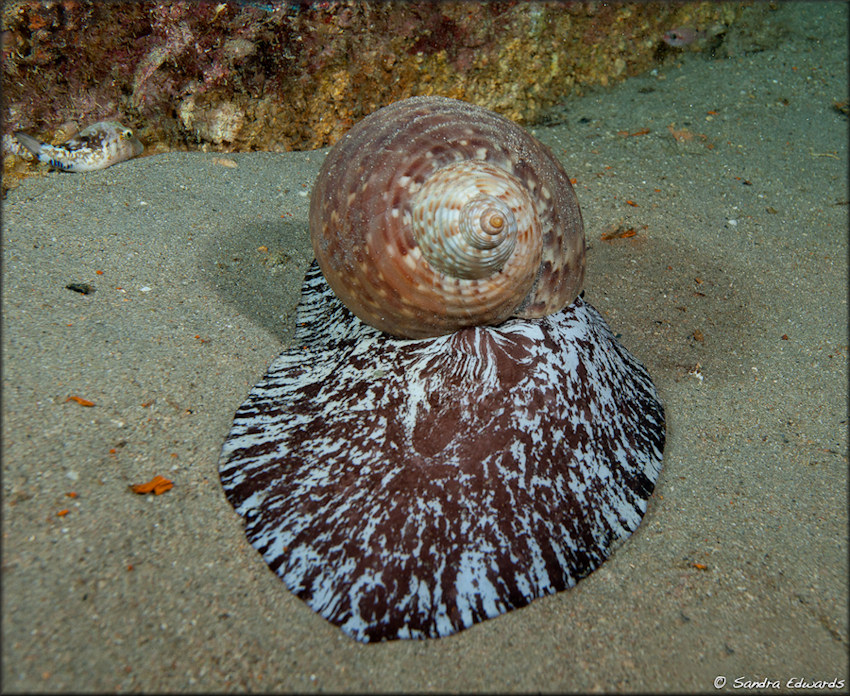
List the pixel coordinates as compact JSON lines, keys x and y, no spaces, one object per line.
{"x":433,"y":214}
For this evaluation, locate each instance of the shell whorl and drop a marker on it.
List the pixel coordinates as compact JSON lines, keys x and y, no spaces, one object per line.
{"x":432,"y":214}
{"x":469,"y":217}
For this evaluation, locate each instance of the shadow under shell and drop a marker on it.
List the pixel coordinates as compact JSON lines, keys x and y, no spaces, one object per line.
{"x":411,"y":488}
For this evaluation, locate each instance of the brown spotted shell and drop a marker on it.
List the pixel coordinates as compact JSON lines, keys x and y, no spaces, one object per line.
{"x":433,"y":214}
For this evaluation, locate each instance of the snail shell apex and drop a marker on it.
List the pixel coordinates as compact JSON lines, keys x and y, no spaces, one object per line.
{"x":433,"y":214}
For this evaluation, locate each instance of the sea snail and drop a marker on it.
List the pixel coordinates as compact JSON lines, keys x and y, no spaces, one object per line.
{"x":433,"y":214}
{"x":412,"y":488}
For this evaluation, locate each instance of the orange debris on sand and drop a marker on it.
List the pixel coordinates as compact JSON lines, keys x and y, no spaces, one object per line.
{"x":680,"y":135}
{"x":80,"y":400}
{"x":157,"y":485}
{"x":617,"y":232}
{"x":626,"y":134}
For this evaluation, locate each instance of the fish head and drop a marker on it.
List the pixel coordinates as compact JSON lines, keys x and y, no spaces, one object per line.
{"x":126,"y":134}
{"x":681,"y":36}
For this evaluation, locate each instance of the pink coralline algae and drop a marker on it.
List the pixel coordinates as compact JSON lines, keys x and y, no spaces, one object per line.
{"x":177,"y":37}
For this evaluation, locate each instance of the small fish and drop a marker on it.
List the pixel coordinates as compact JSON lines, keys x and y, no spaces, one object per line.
{"x":99,"y":146}
{"x":683,"y":36}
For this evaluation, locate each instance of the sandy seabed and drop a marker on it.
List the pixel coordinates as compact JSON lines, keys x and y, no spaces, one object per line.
{"x":733,"y":293}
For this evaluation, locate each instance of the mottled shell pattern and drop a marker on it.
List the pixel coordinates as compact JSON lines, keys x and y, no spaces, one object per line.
{"x":433,"y":214}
